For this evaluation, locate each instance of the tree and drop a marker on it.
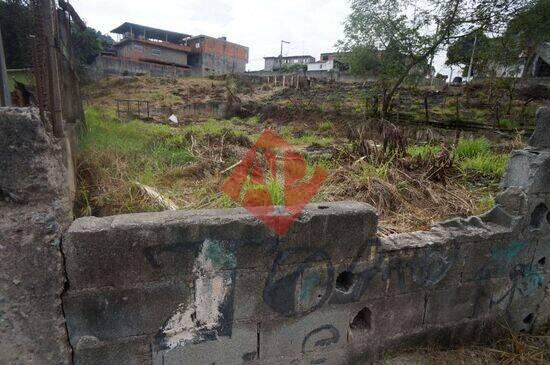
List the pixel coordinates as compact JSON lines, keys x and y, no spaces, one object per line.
{"x":531,"y":26}
{"x":17,"y":25}
{"x":415,"y":34}
{"x":88,"y":44}
{"x":459,"y":52}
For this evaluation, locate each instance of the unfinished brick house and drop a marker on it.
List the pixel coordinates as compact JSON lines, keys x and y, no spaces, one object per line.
{"x":157,"y":52}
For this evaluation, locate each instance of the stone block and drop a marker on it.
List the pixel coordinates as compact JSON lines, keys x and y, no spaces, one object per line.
{"x":541,"y":136}
{"x":111,"y":313}
{"x":528,"y":169}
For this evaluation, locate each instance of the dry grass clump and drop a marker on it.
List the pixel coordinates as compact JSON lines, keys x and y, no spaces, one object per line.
{"x":513,"y":349}
{"x":406,"y":200}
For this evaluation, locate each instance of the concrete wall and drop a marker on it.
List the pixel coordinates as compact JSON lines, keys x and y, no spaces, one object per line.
{"x":272,"y":63}
{"x":35,"y":208}
{"x":104,"y":66}
{"x":215,"y":286}
{"x":144,"y":50}
{"x":320,"y":75}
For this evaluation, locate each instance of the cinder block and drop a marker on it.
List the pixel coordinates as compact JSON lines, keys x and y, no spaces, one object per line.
{"x":429,"y":267}
{"x":151,"y":247}
{"x":477,"y":260}
{"x":116,"y":313}
{"x":341,"y":229}
{"x":362,"y":280}
{"x":320,"y":331}
{"x":390,"y":317}
{"x":128,"y":351}
{"x":240,"y":348}
{"x":452,"y":305}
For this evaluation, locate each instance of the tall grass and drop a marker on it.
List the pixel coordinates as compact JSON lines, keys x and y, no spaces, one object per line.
{"x":135,"y":140}
{"x":467,"y":148}
{"x":487,"y":165}
{"x":424,"y":152}
{"x":116,"y":155}
{"x":325,"y":126}
{"x":475,"y":157}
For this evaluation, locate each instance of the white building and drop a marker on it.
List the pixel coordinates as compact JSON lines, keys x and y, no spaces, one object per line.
{"x":321,"y":66}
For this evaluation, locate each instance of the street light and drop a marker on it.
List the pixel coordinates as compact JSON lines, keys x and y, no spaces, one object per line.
{"x":281,"y":55}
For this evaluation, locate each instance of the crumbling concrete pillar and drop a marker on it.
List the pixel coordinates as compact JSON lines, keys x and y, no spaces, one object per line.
{"x":35,"y":208}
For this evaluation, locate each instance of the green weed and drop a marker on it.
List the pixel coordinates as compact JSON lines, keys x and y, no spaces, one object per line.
{"x":470,"y":148}
{"x":424,"y":152}
{"x":325,"y":126}
{"x":485,"y":164}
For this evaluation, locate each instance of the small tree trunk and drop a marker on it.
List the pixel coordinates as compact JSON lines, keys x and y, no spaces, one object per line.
{"x":457,"y":110}
{"x":426,"y":109}
{"x":398,"y":106}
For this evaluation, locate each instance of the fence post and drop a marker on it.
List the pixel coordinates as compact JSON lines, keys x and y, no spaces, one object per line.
{"x":56,"y":114}
{"x":5,"y":97}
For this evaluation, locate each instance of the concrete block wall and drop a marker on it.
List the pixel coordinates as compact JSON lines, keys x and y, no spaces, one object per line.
{"x":105,"y":66}
{"x":216,"y":286}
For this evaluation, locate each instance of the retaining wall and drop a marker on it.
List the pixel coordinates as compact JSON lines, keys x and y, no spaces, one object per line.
{"x":217,"y":287}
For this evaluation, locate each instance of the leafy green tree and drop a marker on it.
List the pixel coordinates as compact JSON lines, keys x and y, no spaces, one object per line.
{"x":412,"y":35}
{"x":293,"y":67}
{"x":88,"y":44}
{"x":531,"y":26}
{"x":17,"y":25}
{"x":460,"y":51}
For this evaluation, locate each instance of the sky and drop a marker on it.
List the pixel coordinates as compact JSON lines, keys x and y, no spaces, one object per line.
{"x":312,"y":27}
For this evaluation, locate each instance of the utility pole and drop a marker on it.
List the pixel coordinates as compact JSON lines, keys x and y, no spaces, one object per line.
{"x":281,"y":55}
{"x":5,"y":97}
{"x":472,"y":59}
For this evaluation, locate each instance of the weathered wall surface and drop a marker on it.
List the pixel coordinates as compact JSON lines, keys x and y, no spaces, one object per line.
{"x":104,"y":66}
{"x":215,"y":286}
{"x":35,"y":208}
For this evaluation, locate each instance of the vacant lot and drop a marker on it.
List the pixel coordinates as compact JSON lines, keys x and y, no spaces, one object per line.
{"x":414,"y":171}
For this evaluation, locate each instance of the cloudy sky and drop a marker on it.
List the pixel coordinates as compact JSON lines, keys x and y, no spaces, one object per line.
{"x":311,"y":26}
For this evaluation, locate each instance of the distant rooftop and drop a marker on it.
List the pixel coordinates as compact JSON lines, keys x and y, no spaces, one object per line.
{"x":289,"y":57}
{"x":150,"y":33}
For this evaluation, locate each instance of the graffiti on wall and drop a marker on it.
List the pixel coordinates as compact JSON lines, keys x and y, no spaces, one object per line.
{"x":209,"y":313}
{"x":296,"y":290}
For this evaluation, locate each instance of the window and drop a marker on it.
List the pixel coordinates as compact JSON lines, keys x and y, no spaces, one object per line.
{"x":155,"y":52}
{"x":138,"y":47}
{"x":197,"y":45}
